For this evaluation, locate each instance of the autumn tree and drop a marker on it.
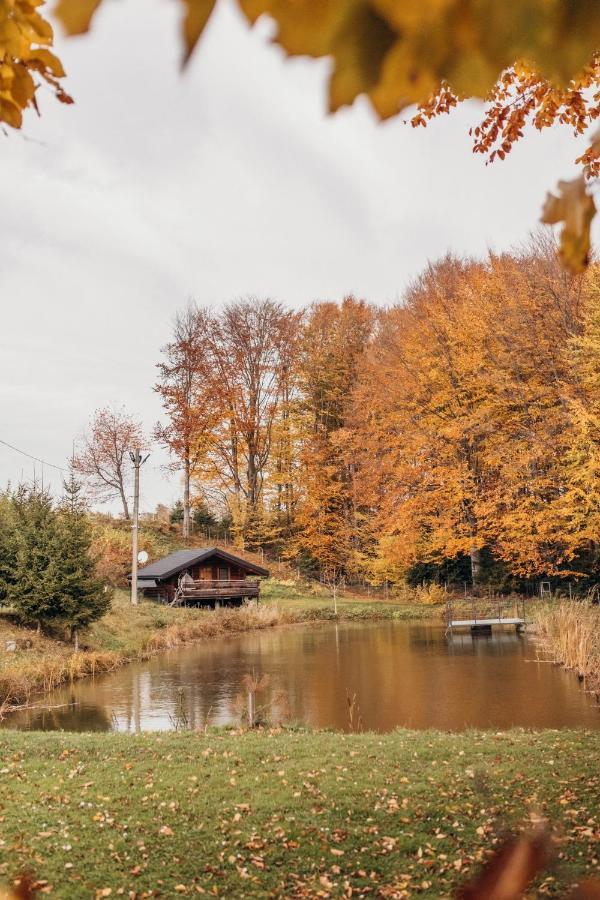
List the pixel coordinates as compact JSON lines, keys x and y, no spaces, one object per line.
{"x":103,"y":455}
{"x":424,"y":420}
{"x":185,"y":388}
{"x":328,"y":519}
{"x":578,"y":505}
{"x":249,"y":347}
{"x":534,"y":311}
{"x":465,"y":405}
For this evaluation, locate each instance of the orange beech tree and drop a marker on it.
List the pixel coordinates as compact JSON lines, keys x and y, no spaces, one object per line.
{"x":236,"y":437}
{"x":328,"y":523}
{"x":580,"y":502}
{"x":532,"y":313}
{"x":423,"y":421}
{"x":468,"y":405}
{"x":186,"y":390}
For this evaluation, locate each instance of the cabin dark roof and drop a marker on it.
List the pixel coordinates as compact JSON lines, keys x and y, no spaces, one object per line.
{"x":182,"y":559}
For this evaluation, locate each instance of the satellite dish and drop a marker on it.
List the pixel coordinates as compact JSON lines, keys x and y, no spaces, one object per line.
{"x":142,"y":557}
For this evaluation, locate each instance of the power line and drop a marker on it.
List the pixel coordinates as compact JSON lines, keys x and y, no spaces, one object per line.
{"x":29,"y":456}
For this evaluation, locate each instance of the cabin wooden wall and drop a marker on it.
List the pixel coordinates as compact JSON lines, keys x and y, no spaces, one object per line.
{"x":215,"y":569}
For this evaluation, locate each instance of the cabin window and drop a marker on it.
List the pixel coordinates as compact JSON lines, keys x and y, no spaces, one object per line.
{"x":223,"y":573}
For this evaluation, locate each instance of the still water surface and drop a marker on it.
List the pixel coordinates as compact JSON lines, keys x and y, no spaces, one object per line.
{"x":403,"y":674}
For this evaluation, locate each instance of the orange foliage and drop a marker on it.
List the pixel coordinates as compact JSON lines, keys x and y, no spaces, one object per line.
{"x":523,"y":96}
{"x":467,"y":405}
{"x":328,"y":518}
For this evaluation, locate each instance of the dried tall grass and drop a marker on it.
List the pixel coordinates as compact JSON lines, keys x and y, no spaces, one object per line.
{"x":214,"y":623}
{"x":570,"y":633}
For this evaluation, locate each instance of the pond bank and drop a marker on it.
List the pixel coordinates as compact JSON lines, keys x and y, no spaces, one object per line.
{"x":126,"y":634}
{"x":289,"y":813}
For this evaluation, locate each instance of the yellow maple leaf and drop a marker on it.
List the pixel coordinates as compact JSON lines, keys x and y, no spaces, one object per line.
{"x":76,"y":15}
{"x":575,"y":208}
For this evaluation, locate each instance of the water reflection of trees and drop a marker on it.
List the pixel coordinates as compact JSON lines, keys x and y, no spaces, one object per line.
{"x":403,"y":675}
{"x":70,"y":716}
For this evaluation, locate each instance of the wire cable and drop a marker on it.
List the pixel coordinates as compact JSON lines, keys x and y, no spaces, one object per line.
{"x":29,"y":456}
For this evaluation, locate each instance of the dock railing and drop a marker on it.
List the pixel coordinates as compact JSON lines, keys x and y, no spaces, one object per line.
{"x":485,"y":611}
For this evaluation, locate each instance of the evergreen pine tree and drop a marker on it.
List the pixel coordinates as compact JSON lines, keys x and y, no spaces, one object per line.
{"x":81,"y":596}
{"x":33,"y":591}
{"x":202,"y":517}
{"x":177,"y":513}
{"x":8,"y":546}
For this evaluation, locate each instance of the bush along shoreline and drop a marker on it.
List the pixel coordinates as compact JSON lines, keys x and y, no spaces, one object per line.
{"x":39,"y":664}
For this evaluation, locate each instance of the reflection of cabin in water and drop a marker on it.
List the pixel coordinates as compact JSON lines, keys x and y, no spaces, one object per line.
{"x":201,"y":577}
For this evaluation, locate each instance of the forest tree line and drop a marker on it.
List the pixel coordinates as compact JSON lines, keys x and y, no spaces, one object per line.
{"x":452,"y":436}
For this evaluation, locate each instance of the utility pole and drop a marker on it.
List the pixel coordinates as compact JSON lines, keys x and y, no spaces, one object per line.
{"x":138,"y":462}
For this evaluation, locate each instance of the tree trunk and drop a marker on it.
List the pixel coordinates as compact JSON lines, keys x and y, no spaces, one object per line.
{"x":475,"y":555}
{"x":186,"y":498}
{"x":75,"y":638}
{"x":124,"y":502}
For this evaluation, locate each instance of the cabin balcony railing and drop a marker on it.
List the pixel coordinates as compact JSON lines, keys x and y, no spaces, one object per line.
{"x":214,"y":589}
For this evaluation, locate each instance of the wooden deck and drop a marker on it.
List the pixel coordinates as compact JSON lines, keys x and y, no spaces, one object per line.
{"x":483,"y":614}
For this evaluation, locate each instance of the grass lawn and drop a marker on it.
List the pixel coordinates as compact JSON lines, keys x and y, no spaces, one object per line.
{"x":351,"y":604}
{"x":288,"y":813}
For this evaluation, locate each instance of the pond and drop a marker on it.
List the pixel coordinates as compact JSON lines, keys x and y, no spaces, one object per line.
{"x":402,"y":674}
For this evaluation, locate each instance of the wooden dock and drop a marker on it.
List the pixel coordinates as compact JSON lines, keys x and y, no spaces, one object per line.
{"x":480,"y":615}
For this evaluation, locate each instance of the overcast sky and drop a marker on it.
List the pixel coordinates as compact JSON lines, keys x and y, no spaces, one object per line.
{"x":229,"y":180}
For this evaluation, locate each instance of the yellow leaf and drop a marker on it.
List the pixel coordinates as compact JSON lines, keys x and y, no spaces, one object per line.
{"x":575,"y":208}
{"x":197,"y":14}
{"x":50,"y":61}
{"x":401,"y":83}
{"x":304,"y":27}
{"x":10,"y":112}
{"x":411,"y":13}
{"x":76,"y":15}
{"x":359,"y":49}
{"x":23,"y":87}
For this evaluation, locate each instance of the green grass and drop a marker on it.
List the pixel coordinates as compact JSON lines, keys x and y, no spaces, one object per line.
{"x":311,"y":597}
{"x":288,"y":813}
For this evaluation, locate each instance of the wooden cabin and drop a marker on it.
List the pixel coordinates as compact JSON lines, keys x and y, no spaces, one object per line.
{"x":201,"y":577}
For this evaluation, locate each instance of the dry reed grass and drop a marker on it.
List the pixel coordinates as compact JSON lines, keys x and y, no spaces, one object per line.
{"x":570,"y":634}
{"x":214,"y":623}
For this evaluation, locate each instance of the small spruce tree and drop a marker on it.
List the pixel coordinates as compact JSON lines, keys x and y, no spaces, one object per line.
{"x":202,"y":517}
{"x":8,"y":546}
{"x":33,"y":591}
{"x":81,"y":596}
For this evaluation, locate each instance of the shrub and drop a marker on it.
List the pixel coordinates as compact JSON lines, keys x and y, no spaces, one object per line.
{"x":430,"y":594}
